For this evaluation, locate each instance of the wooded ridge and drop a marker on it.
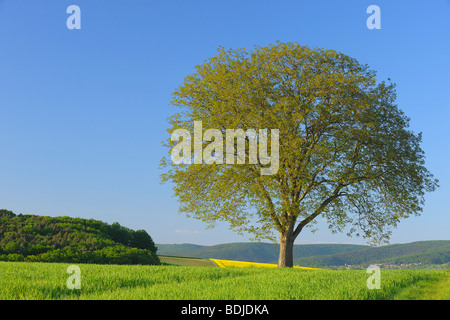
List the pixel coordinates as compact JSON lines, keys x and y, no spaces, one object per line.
{"x":63,"y":239}
{"x":320,"y":255}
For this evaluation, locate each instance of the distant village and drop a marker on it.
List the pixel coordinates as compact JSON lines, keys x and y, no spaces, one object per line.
{"x":417,"y":265}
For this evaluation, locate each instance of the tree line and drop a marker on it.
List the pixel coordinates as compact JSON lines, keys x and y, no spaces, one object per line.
{"x":36,"y":238}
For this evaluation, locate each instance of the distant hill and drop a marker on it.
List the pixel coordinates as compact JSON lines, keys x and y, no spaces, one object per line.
{"x":177,"y":249}
{"x":424,"y":252}
{"x":252,"y":252}
{"x":319,"y":255}
{"x":63,"y":239}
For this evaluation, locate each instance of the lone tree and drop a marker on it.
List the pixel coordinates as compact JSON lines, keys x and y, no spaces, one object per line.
{"x":345,"y":150}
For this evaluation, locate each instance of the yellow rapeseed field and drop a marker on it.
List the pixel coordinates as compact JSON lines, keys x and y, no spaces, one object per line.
{"x":242,"y":264}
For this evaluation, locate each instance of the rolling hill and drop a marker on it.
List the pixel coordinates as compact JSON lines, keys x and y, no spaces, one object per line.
{"x":424,"y":252}
{"x":252,"y":252}
{"x":33,"y":238}
{"x":319,"y":255}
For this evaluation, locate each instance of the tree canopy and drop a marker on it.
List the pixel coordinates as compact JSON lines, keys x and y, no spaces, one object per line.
{"x":64,"y":239}
{"x":346,"y":152}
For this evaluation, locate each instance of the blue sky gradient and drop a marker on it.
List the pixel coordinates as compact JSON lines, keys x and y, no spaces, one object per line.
{"x":83,"y":112}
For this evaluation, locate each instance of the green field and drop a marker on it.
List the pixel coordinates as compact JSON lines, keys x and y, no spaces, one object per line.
{"x":184,"y":261}
{"x":25,"y":280}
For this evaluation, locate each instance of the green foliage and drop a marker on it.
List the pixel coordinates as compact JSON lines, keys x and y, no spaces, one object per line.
{"x":346,"y":151}
{"x":64,"y":239}
{"x":6,"y":213}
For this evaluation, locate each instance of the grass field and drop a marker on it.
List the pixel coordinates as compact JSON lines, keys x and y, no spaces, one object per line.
{"x":20,"y":280}
{"x":188,"y":262}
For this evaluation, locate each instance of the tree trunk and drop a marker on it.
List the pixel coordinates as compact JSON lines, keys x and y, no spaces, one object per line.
{"x":286,"y":258}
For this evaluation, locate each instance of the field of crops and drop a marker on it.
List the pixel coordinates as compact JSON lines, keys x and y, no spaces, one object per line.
{"x":19,"y":280}
{"x":191,"y":262}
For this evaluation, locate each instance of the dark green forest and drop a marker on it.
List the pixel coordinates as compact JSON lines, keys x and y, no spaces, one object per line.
{"x":36,"y":238}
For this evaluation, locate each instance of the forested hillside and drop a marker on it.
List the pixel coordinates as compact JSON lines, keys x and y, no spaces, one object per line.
{"x":423,"y":252}
{"x":320,"y":255}
{"x":65,"y":239}
{"x":252,"y":252}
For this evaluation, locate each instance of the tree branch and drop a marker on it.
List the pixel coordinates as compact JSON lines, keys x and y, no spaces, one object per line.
{"x":319,"y":210}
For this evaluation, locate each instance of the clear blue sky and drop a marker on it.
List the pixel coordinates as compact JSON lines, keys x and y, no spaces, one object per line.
{"x":83,"y":112}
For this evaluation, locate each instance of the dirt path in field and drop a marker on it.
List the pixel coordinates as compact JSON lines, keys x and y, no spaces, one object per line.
{"x":426,"y":290}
